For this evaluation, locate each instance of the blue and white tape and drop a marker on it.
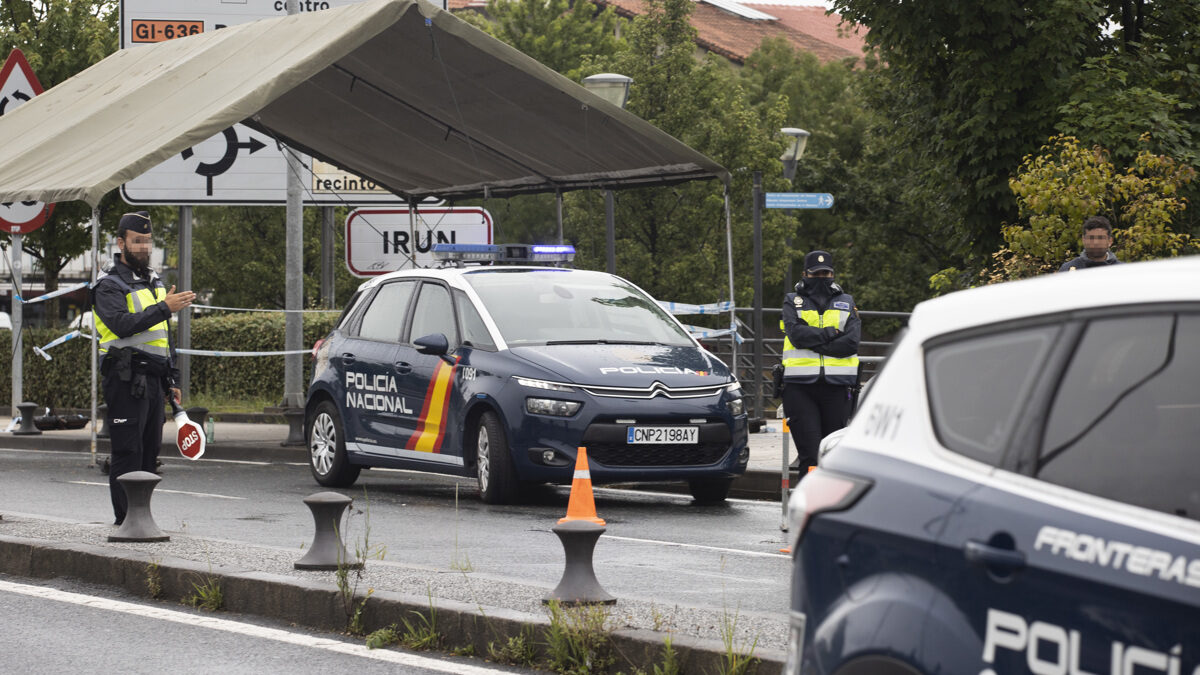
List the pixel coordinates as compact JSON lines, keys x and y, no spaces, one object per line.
{"x":51,"y":294}
{"x":41,"y":351}
{"x":243,"y":309}
{"x":681,"y":308}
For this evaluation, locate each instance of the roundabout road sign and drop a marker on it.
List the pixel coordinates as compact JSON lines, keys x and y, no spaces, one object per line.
{"x":17,"y":85}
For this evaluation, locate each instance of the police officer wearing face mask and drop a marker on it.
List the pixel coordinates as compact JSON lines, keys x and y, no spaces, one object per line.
{"x":132,"y":312}
{"x":820,"y":360}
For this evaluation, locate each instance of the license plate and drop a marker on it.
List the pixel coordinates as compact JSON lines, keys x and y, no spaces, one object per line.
{"x":661,"y":435}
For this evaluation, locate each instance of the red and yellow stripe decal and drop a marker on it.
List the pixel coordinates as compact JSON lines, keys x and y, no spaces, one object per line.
{"x":431,"y":426}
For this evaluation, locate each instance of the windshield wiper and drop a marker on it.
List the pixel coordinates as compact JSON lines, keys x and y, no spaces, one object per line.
{"x":602,"y":342}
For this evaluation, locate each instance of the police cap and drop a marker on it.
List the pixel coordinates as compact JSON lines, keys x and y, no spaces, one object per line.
{"x":816,"y":261}
{"x":138,"y":221}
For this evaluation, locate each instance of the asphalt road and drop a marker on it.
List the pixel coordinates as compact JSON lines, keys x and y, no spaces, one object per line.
{"x":64,"y":627}
{"x":658,"y":547}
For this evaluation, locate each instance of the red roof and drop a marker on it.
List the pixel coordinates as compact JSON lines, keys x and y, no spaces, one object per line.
{"x":808,"y":29}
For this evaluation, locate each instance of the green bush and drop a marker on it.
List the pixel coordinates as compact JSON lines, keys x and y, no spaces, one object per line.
{"x":63,"y":382}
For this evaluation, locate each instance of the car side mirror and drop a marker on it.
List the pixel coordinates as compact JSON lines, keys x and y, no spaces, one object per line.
{"x":435,"y":344}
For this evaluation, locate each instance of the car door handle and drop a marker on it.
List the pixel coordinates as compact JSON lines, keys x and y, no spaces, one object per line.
{"x":402,"y":367}
{"x":347,"y":358}
{"x":998,"y":559}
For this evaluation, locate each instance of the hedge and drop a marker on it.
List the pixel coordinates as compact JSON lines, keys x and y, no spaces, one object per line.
{"x":63,"y":381}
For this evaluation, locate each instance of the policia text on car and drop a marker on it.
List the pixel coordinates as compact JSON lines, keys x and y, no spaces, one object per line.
{"x":133,"y":312}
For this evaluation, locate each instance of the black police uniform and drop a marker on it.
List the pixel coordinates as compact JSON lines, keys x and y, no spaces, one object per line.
{"x":817,"y":405}
{"x":135,"y":383}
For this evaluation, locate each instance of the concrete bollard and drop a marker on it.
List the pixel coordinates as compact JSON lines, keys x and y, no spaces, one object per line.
{"x":327,"y":549}
{"x":139,"y":525}
{"x":27,"y":427}
{"x":295,"y":420}
{"x":579,"y":585}
{"x":102,"y":411}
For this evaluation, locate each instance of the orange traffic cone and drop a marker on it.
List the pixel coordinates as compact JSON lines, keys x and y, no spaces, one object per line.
{"x":581,"y":505}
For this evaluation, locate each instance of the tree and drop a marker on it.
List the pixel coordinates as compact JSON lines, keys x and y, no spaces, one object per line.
{"x":671,"y":240}
{"x":61,"y":38}
{"x":558,"y":34}
{"x":1066,"y":182}
{"x":968,"y":90}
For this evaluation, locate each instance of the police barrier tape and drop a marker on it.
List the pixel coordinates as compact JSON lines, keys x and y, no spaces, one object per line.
{"x":206,"y":352}
{"x":243,"y":309}
{"x":41,"y":351}
{"x":51,"y":294}
{"x":703,"y":333}
{"x":681,"y":308}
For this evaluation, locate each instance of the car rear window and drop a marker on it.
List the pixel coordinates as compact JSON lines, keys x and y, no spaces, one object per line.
{"x":977,"y":384}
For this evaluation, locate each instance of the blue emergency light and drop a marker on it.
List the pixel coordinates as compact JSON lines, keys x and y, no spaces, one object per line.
{"x":505,"y":253}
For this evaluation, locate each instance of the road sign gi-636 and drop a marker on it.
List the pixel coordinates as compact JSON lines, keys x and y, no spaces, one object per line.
{"x":238,"y":165}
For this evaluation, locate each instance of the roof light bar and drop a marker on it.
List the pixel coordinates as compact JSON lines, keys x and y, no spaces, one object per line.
{"x":506,"y":253}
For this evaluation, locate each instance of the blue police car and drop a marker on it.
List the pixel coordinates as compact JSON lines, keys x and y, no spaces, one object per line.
{"x":1020,"y":491}
{"x":502,"y":372}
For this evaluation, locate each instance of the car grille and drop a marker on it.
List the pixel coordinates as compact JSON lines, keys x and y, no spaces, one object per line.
{"x":656,"y":389}
{"x":657,"y":455}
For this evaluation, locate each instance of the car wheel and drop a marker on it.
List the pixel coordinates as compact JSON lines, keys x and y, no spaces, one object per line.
{"x":493,"y":464}
{"x":327,"y":449}
{"x":710,"y":490}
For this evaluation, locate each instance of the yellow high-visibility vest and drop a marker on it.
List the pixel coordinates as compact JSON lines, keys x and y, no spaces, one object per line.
{"x":804,"y":366}
{"x":153,"y":340}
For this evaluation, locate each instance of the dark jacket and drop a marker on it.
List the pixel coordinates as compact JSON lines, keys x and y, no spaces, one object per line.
{"x":826,"y":341}
{"x":109,"y":303}
{"x":1083,"y":262}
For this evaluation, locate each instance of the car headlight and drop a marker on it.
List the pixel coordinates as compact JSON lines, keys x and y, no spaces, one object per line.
{"x":736,"y":406}
{"x":551,"y":406}
{"x":734,"y":389}
{"x":542,"y":384}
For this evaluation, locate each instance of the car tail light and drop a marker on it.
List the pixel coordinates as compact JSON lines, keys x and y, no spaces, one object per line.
{"x":821,"y":491}
{"x":316,"y":347}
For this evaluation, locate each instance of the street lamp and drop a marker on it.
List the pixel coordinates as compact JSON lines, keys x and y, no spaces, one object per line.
{"x":791,"y":156}
{"x":613,"y":88}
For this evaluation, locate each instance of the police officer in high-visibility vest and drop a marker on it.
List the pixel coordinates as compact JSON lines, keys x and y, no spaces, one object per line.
{"x":820,"y":360}
{"x":132,"y":313}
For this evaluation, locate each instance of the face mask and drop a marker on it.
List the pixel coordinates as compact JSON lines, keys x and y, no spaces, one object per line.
{"x":819,"y":287}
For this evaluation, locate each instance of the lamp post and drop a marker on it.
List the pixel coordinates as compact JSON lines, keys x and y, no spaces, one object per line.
{"x":613,"y":88}
{"x":790,"y":158}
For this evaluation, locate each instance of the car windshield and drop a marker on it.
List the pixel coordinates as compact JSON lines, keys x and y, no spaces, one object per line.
{"x":572,"y":307}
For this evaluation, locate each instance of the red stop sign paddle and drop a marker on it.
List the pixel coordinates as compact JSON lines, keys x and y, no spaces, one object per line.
{"x":189,"y":436}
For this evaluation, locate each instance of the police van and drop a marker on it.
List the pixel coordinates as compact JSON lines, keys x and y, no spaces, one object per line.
{"x":1019,"y":492}
{"x":503,"y":371}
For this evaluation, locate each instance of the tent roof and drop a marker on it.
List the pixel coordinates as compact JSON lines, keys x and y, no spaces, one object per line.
{"x":397,"y":91}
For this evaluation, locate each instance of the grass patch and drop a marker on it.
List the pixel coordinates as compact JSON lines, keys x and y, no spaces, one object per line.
{"x":206,"y":594}
{"x":579,"y":639}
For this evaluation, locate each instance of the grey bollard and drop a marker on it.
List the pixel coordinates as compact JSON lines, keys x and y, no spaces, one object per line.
{"x":327,"y":549}
{"x":579,"y":585}
{"x":139,"y":525}
{"x":27,"y":427}
{"x":102,"y":411}
{"x":295,"y":420}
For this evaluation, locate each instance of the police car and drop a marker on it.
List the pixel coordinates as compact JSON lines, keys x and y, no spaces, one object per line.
{"x":503,"y":372}
{"x":1020,"y":491}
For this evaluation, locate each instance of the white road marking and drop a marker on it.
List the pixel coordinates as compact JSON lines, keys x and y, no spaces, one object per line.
{"x":251,"y":630}
{"x":178,"y":492}
{"x":760,"y":554}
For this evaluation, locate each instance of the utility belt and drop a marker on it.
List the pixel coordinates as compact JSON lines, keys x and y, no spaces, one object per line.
{"x":133,"y":367}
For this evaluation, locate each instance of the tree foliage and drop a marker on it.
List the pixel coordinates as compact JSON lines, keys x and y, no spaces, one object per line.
{"x":61,"y":38}
{"x":556,"y":33}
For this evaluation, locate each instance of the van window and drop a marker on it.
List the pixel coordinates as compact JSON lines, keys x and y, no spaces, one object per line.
{"x":434,"y":313}
{"x":1125,"y":420}
{"x":385,"y":317}
{"x":976,"y":387}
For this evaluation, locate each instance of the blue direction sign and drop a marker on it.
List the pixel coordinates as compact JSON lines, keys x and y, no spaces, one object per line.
{"x":799,"y":200}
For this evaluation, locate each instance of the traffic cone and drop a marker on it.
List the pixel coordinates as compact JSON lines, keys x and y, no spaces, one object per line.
{"x":581,"y":506}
